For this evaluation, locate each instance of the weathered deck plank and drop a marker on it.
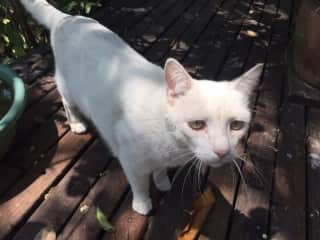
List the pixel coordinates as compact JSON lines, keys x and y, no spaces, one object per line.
{"x":36,"y":64}
{"x":39,"y":89}
{"x":170,"y":37}
{"x":36,"y":116}
{"x":34,"y":148}
{"x":106,"y":194}
{"x":25,"y":195}
{"x":128,"y":224}
{"x":146,"y":34}
{"x":288,"y":216}
{"x":313,"y":174}
{"x":10,"y":175}
{"x":220,"y":49}
{"x":62,"y":199}
{"x":116,"y":13}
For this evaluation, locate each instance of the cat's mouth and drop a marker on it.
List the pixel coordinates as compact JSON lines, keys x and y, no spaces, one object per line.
{"x":219,"y":162}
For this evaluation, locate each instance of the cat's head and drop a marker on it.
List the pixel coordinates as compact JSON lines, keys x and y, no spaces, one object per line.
{"x":210,"y":117}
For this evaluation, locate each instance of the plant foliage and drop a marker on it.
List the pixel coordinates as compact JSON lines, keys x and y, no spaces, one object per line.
{"x":18,"y":32}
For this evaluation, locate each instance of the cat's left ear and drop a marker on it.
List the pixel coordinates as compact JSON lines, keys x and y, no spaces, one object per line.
{"x":178,"y":79}
{"x":248,"y":81}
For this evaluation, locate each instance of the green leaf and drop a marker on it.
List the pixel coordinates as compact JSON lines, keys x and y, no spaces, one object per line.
{"x":6,"y":60}
{"x":89,"y":5}
{"x":5,"y":38}
{"x":17,"y":51}
{"x":23,"y":39}
{"x":71,"y":6}
{"x":6,"y":21}
{"x":88,"y":8}
{"x":102,"y":219}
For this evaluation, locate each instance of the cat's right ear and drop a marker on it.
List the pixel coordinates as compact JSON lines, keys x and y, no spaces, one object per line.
{"x":177,"y":78}
{"x":248,"y":81}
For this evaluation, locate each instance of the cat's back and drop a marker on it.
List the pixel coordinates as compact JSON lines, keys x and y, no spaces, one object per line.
{"x":83,"y":44}
{"x":85,"y":37}
{"x":96,"y":62}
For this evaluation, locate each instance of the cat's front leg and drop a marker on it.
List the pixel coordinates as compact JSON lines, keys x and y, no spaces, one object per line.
{"x":141,"y":202}
{"x":161,"y":180}
{"x":139,"y":182}
{"x":77,"y":125}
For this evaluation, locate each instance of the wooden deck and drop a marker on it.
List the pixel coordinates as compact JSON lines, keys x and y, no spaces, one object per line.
{"x":50,"y":173}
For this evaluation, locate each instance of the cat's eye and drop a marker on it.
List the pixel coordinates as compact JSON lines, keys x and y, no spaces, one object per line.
{"x":197,"y":125}
{"x":236,"y":125}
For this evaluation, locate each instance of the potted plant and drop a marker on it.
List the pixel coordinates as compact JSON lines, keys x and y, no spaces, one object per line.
{"x":12,"y":102}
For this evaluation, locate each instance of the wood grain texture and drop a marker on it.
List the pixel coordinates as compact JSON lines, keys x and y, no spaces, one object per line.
{"x":288,"y":217}
{"x":313,"y":173}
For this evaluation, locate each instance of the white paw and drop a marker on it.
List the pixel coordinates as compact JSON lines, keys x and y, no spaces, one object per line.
{"x":142,"y":207}
{"x":162,"y":182}
{"x":78,"y":128}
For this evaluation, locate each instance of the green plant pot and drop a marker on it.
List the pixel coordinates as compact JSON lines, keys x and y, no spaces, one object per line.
{"x":9,"y":120}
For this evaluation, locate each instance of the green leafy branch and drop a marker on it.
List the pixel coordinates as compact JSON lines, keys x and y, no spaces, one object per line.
{"x":18,"y":31}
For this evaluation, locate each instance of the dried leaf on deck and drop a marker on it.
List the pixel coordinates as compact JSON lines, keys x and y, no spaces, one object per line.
{"x":249,"y":33}
{"x":201,"y":207}
{"x":48,"y":194}
{"x":102,"y":219}
{"x":84,"y":208}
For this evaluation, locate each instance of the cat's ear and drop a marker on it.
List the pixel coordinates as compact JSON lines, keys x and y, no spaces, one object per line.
{"x":248,"y":81}
{"x":177,"y":78}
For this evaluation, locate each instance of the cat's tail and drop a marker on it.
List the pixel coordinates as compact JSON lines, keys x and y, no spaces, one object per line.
{"x":43,"y":12}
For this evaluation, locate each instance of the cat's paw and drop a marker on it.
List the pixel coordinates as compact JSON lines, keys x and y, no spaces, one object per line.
{"x":162,"y":182}
{"x":142,"y":207}
{"x":78,"y":128}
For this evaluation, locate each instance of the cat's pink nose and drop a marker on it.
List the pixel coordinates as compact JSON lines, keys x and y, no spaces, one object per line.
{"x":221,"y":154}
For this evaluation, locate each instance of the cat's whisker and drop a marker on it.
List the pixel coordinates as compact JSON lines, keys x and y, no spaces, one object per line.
{"x":200,"y":182}
{"x":233,"y":175}
{"x":188,"y":172}
{"x":199,"y":176}
{"x":181,"y":168}
{"x":186,"y":177}
{"x":195,"y":175}
{"x":259,"y":175}
{"x":257,"y":171}
{"x":196,"y":180}
{"x":241,"y":175}
{"x":189,"y":158}
{"x":181,"y":156}
{"x":176,"y":152}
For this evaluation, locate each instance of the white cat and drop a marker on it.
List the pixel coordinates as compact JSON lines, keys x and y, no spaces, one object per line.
{"x":151,"y":118}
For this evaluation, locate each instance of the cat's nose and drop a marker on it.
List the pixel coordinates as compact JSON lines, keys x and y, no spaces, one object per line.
{"x":221,"y":154}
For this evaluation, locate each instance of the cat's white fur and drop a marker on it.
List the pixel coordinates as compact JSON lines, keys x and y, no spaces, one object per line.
{"x":139,"y":109}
